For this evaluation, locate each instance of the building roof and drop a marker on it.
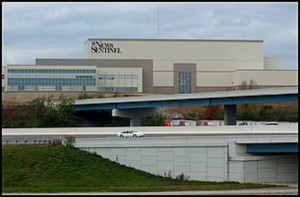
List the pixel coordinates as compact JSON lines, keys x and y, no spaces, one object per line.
{"x":173,"y":40}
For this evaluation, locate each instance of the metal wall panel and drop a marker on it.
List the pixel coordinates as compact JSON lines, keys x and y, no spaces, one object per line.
{"x":181,"y":51}
{"x":266,"y":77}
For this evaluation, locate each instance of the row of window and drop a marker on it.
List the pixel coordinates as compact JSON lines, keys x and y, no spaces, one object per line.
{"x":117,"y":89}
{"x":100,"y":89}
{"x":77,"y":77}
{"x":51,"y":71}
{"x":85,"y":77}
{"x":51,"y":82}
{"x":116,"y":77}
{"x":36,"y":88}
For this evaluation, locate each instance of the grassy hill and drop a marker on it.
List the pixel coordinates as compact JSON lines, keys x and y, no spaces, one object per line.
{"x":46,"y":168}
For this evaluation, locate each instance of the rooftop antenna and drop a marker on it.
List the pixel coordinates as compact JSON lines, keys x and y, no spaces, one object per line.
{"x":158,"y":23}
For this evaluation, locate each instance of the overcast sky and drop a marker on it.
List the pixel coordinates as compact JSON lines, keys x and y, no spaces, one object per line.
{"x":58,"y":30}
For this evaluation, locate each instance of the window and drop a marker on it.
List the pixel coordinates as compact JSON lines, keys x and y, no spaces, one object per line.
{"x":119,"y":76}
{"x":58,"y":88}
{"x":117,"y":89}
{"x":21,"y":88}
{"x":184,"y":82}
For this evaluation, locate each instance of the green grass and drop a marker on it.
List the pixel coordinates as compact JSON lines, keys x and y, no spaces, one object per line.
{"x":45,"y":168}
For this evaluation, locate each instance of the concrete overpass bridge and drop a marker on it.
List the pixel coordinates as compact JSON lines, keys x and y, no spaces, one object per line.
{"x":141,"y":106}
{"x":215,"y":153}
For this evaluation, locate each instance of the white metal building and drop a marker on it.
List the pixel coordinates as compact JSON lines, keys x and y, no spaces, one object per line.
{"x":156,"y":66}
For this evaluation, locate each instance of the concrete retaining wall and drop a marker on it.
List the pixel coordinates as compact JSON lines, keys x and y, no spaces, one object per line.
{"x":198,"y":163}
{"x":195,"y":158}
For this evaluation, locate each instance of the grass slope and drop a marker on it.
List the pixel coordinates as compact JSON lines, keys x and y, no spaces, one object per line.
{"x":44,"y":168}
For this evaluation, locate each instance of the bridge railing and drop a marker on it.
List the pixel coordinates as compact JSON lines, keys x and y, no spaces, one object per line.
{"x":165,"y":129}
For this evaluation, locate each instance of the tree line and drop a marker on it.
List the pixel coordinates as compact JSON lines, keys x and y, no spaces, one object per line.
{"x":255,"y":112}
{"x":47,"y":112}
{"x":40,"y":112}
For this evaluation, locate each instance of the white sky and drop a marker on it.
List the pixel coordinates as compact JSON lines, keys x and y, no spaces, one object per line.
{"x":58,"y":30}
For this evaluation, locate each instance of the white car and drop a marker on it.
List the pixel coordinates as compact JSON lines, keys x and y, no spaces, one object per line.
{"x":131,"y":133}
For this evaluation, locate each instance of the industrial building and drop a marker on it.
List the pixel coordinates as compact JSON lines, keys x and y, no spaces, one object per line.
{"x":159,"y":66}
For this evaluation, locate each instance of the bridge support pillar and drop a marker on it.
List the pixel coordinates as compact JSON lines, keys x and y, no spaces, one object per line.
{"x":135,"y":121}
{"x":135,"y":115}
{"x":229,"y":114}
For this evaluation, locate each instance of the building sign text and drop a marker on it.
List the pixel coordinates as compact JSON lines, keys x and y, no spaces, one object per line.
{"x":104,"y":47}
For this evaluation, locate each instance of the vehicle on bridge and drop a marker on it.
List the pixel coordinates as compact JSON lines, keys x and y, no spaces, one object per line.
{"x":271,"y":123}
{"x":243,"y":123}
{"x":130,"y":133}
{"x":180,"y":122}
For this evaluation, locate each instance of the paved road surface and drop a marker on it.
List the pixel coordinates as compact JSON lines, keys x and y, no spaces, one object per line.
{"x":269,"y":191}
{"x":231,"y":192}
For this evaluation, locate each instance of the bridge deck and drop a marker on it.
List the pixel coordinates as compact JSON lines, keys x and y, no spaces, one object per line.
{"x":272,"y":148}
{"x":206,"y":98}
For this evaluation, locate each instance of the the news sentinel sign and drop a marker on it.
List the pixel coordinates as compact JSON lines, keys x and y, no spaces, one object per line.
{"x":104,"y":47}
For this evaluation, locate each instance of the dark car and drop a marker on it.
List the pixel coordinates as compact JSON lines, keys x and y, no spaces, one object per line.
{"x":243,"y":123}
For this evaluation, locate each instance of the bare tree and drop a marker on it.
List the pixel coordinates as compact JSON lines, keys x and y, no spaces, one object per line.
{"x":252,"y":84}
{"x":243,"y":85}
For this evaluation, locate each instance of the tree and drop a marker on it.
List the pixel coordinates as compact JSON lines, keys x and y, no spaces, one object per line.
{"x":248,"y":112}
{"x":64,"y":110}
{"x":41,"y":112}
{"x":252,"y":84}
{"x":192,"y":113}
{"x":211,"y":112}
{"x":83,"y":95}
{"x":243,"y":85}
{"x":157,"y":119}
{"x":266,"y":112}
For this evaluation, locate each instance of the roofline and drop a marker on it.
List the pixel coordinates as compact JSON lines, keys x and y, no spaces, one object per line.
{"x":21,"y":65}
{"x":228,"y":71}
{"x":42,"y":65}
{"x":236,"y":70}
{"x":188,"y":40}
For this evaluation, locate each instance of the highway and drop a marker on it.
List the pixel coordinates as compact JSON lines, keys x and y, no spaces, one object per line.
{"x":49,"y":135}
{"x":215,"y":146}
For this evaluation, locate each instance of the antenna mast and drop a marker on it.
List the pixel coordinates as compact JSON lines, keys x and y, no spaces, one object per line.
{"x":158,"y":23}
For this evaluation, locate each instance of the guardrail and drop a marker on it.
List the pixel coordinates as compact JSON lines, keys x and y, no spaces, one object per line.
{"x":28,"y":141}
{"x":154,"y":130}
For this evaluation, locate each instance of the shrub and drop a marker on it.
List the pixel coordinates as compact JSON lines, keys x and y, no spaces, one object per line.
{"x":83,"y":95}
{"x":182,"y":177}
{"x":157,"y":119}
{"x":100,"y":95}
{"x":169,"y":175}
{"x":69,"y":140}
{"x":44,"y":112}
